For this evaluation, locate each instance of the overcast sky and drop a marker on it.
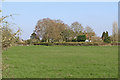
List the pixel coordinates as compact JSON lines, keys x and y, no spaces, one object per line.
{"x":98,"y":15}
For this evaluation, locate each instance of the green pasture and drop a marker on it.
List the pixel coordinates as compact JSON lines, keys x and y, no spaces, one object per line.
{"x":60,"y":62}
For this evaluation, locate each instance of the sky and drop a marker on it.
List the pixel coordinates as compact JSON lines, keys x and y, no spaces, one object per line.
{"x":61,"y":0}
{"x":98,"y":15}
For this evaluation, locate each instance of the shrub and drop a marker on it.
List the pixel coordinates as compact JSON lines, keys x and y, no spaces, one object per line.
{"x":44,"y":43}
{"x":73,"y":43}
{"x":77,"y":43}
{"x":107,"y":40}
{"x":81,"y":38}
{"x":74,"y":40}
{"x":28,"y":41}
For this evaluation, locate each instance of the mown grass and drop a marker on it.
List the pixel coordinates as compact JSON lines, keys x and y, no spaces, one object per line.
{"x":61,"y":62}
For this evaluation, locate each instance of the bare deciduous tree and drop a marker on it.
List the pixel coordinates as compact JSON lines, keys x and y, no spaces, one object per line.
{"x":50,"y":30}
{"x":77,"y":28}
{"x":8,"y":37}
{"x":89,"y":32}
{"x":88,"y":29}
{"x":115,"y":32}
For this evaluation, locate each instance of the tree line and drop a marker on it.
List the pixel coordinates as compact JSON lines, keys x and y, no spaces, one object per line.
{"x":48,"y":30}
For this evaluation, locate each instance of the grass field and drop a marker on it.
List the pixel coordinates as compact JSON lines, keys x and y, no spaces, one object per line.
{"x":61,"y":62}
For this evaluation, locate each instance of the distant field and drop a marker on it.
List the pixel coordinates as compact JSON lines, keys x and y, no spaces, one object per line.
{"x":61,"y":62}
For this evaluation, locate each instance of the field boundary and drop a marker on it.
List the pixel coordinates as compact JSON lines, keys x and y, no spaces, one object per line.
{"x":72,"y":43}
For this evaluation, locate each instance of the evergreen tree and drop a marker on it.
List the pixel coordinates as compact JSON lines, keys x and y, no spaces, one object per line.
{"x":81,"y":38}
{"x":106,"y":34}
{"x":105,"y":37}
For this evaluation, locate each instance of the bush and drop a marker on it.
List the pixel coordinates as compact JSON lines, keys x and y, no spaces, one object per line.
{"x":44,"y":43}
{"x":74,"y":40}
{"x":28,"y":41}
{"x":107,"y":40}
{"x":115,"y":43}
{"x":73,"y":43}
{"x":77,"y":43}
{"x":81,"y":38}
